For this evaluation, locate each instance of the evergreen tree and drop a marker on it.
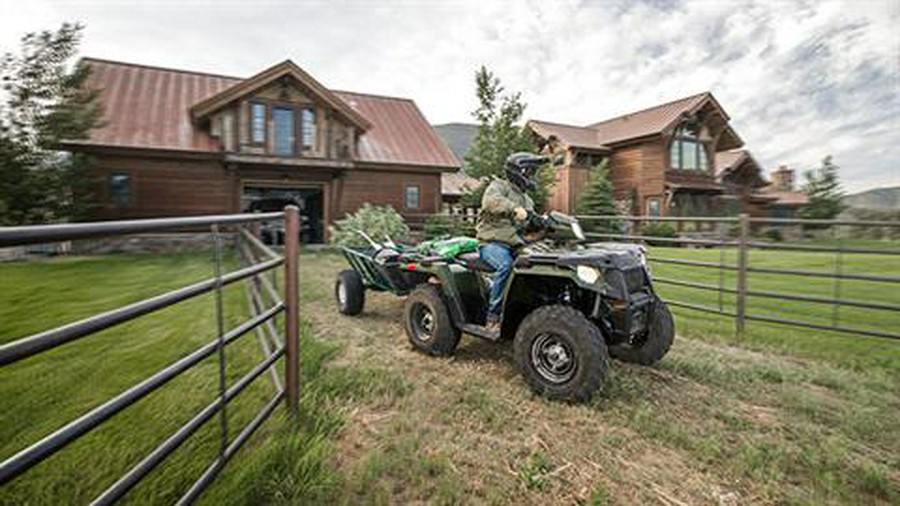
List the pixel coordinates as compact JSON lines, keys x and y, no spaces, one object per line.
{"x":499,"y":135}
{"x":45,"y":102}
{"x":598,"y":198}
{"x":823,"y":187}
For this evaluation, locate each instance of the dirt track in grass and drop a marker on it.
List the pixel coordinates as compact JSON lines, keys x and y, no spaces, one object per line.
{"x":710,"y":424}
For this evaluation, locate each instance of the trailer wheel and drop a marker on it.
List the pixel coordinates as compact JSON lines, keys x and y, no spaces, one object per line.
{"x":561,"y":354}
{"x":428,"y":323}
{"x":649,"y":348}
{"x":349,"y":292}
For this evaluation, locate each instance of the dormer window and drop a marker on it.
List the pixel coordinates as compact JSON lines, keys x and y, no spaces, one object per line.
{"x":257,"y":123}
{"x":688,"y":151}
{"x":308,"y":128}
{"x":283,"y":126}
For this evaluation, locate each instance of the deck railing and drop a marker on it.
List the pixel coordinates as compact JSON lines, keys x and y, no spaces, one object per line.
{"x":275,"y":345}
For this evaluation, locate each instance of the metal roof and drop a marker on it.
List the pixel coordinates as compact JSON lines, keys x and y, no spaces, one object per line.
{"x":635,"y":125}
{"x":149,"y":107}
{"x":399,"y":132}
{"x":570,"y":135}
{"x":455,"y":184}
{"x":648,"y":121}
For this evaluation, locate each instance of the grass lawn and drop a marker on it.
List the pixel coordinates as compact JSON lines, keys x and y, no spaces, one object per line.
{"x":849,"y":350}
{"x":779,"y":416}
{"x":42,"y":393}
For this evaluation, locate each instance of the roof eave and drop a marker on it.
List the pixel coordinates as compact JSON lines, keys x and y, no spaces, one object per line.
{"x":204,"y":108}
{"x":93,"y":146}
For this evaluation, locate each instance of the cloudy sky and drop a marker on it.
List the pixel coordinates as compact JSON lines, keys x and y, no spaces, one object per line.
{"x":800,"y":79}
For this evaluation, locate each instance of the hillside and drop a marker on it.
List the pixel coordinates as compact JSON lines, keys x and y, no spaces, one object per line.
{"x":458,"y":136}
{"x":877,"y":198}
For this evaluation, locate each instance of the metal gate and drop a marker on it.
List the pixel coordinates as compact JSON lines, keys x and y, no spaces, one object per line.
{"x":276,"y":346}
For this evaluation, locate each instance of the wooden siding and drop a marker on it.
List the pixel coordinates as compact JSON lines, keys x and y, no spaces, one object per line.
{"x":653,"y":171}
{"x":626,"y":170}
{"x":559,"y":197}
{"x":168,"y":186}
{"x":388,"y":188}
{"x":164,"y":187}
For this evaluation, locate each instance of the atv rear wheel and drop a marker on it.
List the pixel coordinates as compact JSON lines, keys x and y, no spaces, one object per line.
{"x":649,"y":348}
{"x":428,"y":323}
{"x":349,"y":292}
{"x":561,"y":354}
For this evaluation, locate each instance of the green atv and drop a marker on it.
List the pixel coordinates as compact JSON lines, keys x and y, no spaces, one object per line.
{"x":567,"y":306}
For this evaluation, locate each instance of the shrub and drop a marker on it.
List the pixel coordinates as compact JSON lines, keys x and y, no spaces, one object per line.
{"x":376,"y":221}
{"x":598,"y":198}
{"x":437,"y":225}
{"x":441,"y":225}
{"x":773,"y":234}
{"x":659,"y":230}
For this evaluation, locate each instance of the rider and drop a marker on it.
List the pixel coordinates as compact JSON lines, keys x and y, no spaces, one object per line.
{"x":505,"y":208}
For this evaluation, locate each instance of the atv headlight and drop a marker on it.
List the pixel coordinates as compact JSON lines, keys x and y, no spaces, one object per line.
{"x":587,"y":274}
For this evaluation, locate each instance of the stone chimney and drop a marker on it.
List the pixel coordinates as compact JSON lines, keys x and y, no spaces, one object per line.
{"x":783,"y":179}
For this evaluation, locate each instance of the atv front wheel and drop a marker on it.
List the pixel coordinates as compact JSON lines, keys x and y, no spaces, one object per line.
{"x":561,"y":354}
{"x":649,"y":347}
{"x":349,"y":292}
{"x":428,"y":323}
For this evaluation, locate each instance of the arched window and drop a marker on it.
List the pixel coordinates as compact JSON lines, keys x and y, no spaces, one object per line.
{"x":688,"y":152}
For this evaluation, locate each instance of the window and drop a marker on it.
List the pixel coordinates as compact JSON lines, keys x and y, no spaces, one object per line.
{"x":688,"y":152}
{"x":308,"y":128}
{"x":257,"y":123}
{"x":283,"y":120}
{"x":653,"y":207}
{"x":120,"y":189}
{"x":412,"y":197}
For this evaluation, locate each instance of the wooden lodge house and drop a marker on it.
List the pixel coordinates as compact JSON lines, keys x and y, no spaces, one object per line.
{"x":681,"y":158}
{"x":177,"y":142}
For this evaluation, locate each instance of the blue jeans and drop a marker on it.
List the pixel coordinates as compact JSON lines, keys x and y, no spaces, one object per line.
{"x":500,"y":257}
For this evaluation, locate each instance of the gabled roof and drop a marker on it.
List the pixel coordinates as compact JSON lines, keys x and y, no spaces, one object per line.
{"x":150,"y":108}
{"x":650,"y":121}
{"x":570,"y":135}
{"x":454,"y":184}
{"x":147,"y":107}
{"x":728,"y":162}
{"x":268,"y":76}
{"x":782,"y":198}
{"x":646,"y":122}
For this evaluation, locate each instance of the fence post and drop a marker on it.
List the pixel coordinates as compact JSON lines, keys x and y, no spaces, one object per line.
{"x":741,"y":303}
{"x":291,"y":307}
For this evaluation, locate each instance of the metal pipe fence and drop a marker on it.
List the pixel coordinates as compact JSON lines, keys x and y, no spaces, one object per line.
{"x":738,"y":234}
{"x":263,"y":315}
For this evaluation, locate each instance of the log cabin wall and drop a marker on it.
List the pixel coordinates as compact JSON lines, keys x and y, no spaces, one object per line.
{"x":561,"y":194}
{"x":387,"y":187}
{"x":162,"y":186}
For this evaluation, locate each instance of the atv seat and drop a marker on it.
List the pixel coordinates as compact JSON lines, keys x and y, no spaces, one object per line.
{"x":473,"y":261}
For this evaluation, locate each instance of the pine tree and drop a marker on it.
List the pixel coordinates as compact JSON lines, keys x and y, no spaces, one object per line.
{"x":45,"y":103}
{"x":598,"y":198}
{"x":823,"y":187}
{"x":499,"y":135}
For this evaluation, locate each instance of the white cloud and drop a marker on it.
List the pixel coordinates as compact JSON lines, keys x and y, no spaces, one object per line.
{"x":800,"y":79}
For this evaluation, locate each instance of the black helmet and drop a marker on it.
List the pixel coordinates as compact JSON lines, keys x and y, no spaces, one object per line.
{"x":521,"y":168}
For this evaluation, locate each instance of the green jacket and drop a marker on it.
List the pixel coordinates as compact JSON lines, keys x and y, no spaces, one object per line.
{"x":496,"y":221}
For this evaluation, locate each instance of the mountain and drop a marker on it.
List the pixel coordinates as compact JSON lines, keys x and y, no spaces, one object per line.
{"x":877,"y":198}
{"x":458,"y":136}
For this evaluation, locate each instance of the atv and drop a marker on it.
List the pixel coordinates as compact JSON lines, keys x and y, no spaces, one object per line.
{"x":568,"y":306}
